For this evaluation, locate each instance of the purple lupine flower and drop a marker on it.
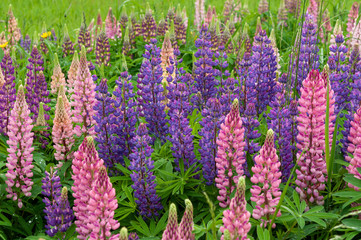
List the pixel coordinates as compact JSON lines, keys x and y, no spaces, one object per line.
{"x":280,"y":121}
{"x":150,"y":92}
{"x":42,"y":136}
{"x":53,"y":35}
{"x":149,"y":26}
{"x":211,"y":123}
{"x":7,"y":92}
{"x":228,"y":93}
{"x":204,"y":79}
{"x":246,"y":91}
{"x":68,"y":45}
{"x":308,"y":56}
{"x":250,"y":122}
{"x":262,"y":72}
{"x":59,"y":215}
{"x":180,"y":29}
{"x":26,"y":43}
{"x":36,"y":86}
{"x":293,"y":107}
{"x":162,"y":27}
{"x":110,"y":147}
{"x":84,"y":38}
{"x":142,"y":175}
{"x":133,"y":236}
{"x":102,"y":51}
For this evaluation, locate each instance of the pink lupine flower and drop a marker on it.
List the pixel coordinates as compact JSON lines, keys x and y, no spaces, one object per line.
{"x":311,"y":175}
{"x":62,"y":131}
{"x":209,"y":16}
{"x":354,"y":136}
{"x":101,"y":206}
{"x":86,"y":165}
{"x":73,"y":71}
{"x":230,"y":156}
{"x":236,"y":219}
{"x":19,"y":160}
{"x":263,"y":7}
{"x":354,"y":164}
{"x":267,"y":175}
{"x":356,"y":35}
{"x":14,"y":34}
{"x":186,"y":226}
{"x":199,"y":13}
{"x":352,"y":17}
{"x":110,"y":25}
{"x":58,"y":78}
{"x":313,"y":9}
{"x":83,"y":99}
{"x":171,"y":231}
{"x":66,"y":102}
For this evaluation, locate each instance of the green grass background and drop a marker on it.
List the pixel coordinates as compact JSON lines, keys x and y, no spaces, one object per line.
{"x":55,"y":13}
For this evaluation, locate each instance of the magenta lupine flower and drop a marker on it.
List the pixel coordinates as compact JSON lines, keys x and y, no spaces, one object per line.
{"x":186,"y":226}
{"x":352,"y":17}
{"x":267,"y":177}
{"x":58,"y":78}
{"x":230,"y":156}
{"x":86,"y":165}
{"x":236,"y":218}
{"x":354,"y":164}
{"x":313,"y":9}
{"x":62,"y":131}
{"x":83,"y":99}
{"x":101,"y":206}
{"x":171,"y":231}
{"x":353,"y":137}
{"x":110,"y":25}
{"x":311,"y":138}
{"x":19,"y":160}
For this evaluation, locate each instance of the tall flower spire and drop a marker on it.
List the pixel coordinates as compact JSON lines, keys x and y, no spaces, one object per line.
{"x":12,"y":27}
{"x":58,"y":78}
{"x":73,"y":71}
{"x":171,"y":231}
{"x":186,"y":225}
{"x":83,"y":99}
{"x":43,"y":135}
{"x":68,"y":45}
{"x":236,"y":218}
{"x":230,"y":156}
{"x":20,"y":157}
{"x":266,"y":194}
{"x":102,"y":50}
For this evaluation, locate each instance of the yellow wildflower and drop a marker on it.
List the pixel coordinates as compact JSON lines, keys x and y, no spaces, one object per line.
{"x":4,"y":45}
{"x":46,"y":34}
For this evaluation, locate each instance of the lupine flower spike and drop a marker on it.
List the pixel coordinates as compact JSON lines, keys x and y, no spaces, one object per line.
{"x":58,"y":78}
{"x":42,"y":135}
{"x":230,"y":155}
{"x":267,"y":178}
{"x":19,"y":160}
{"x":12,"y":27}
{"x":73,"y":71}
{"x":68,"y":45}
{"x":123,"y":235}
{"x":171,"y":231}
{"x":186,"y":226}
{"x":236,"y":219}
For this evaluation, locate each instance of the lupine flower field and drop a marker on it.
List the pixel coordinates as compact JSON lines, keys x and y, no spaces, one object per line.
{"x":224,"y":122}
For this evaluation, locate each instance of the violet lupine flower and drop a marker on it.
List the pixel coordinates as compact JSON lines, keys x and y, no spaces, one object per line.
{"x":36,"y":86}
{"x":230,"y":156}
{"x":339,"y":72}
{"x":102,"y":51}
{"x":150,"y":92}
{"x":246,"y":91}
{"x":53,"y":35}
{"x":267,"y":178}
{"x":42,"y":136}
{"x":133,"y":236}
{"x":229,"y":92}
{"x":308,"y":55}
{"x":162,"y":27}
{"x":59,"y":215}
{"x":186,"y":225}
{"x":311,"y":176}
{"x":280,"y":120}
{"x":68,"y":45}
{"x":149,"y":26}
{"x":126,"y":112}
{"x":352,"y":17}
{"x":26,"y":43}
{"x":123,"y":234}
{"x":171,"y":230}
{"x":205,"y":81}
{"x":126,"y":43}
{"x":262,"y":72}
{"x":101,"y":206}
{"x":263,"y":7}
{"x":123,"y":18}
{"x":58,"y":78}
{"x":250,"y":123}
{"x":236,"y":218}
{"x":84,"y":39}
{"x":199,"y":13}
{"x":111,"y":146}
{"x":83,"y":99}
{"x":293,"y":6}
{"x":62,"y":131}
{"x":72,"y":73}
{"x":179,"y":28}
{"x":7,"y":92}
{"x":144,"y":179}
{"x":86,"y":165}
{"x":19,"y":160}
{"x":211,"y":124}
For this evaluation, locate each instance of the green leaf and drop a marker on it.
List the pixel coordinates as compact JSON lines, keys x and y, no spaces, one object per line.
{"x":354,"y":181}
{"x":316,"y":220}
{"x":353,"y":223}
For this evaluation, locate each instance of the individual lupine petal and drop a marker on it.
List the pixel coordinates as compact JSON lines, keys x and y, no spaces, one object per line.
{"x":230,"y":156}
{"x":142,"y":175}
{"x":311,"y":176}
{"x":20,"y":157}
{"x":83,"y":99}
{"x":86,"y":165}
{"x":236,"y":219}
{"x":12,"y":27}
{"x":101,"y":206}
{"x":267,"y":177}
{"x":352,"y":17}
{"x":186,"y":225}
{"x":62,"y":131}
{"x":7,"y":92}
{"x":123,"y":234}
{"x":43,"y":135}
{"x":171,"y":231}
{"x":102,"y":51}
{"x":58,"y":78}
{"x":68,"y":45}
{"x":263,"y":7}
{"x":73,"y":71}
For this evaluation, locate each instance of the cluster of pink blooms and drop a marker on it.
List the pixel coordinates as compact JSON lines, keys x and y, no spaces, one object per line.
{"x":200,"y":13}
{"x":20,"y":158}
{"x":58,"y":78}
{"x":355,"y":146}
